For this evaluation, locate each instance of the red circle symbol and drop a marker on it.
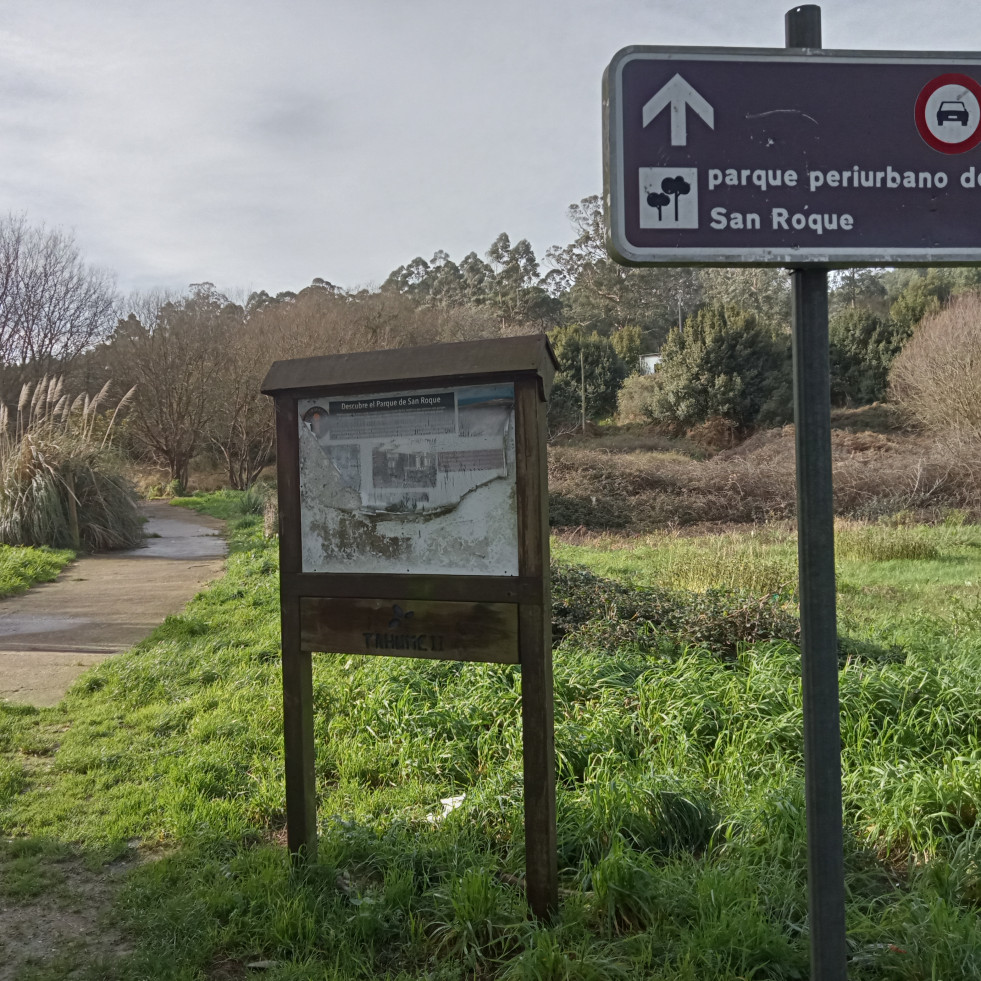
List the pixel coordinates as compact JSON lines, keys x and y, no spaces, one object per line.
{"x":931,"y":116}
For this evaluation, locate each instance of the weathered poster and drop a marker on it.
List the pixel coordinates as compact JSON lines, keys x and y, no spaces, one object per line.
{"x":413,"y":482}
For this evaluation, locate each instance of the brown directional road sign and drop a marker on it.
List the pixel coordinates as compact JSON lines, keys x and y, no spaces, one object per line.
{"x":728,"y":156}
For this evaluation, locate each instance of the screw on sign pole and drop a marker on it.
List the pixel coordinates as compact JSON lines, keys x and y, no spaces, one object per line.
{"x":819,"y":631}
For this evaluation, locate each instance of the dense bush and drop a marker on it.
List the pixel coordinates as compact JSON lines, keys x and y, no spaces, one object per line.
{"x":635,"y":397}
{"x":594,"y":357}
{"x":863,"y":346}
{"x":723,"y":364}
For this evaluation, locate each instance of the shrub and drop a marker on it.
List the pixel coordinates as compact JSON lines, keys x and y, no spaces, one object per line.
{"x":724,"y":364}
{"x":636,"y":397}
{"x":863,"y":347}
{"x":936,"y":376}
{"x":595,"y":357}
{"x":61,"y":484}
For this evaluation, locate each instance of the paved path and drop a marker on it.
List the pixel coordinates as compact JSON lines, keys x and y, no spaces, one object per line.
{"x":103,"y":604}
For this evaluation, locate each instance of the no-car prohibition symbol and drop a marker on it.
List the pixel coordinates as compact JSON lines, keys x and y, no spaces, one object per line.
{"x":948,"y":113}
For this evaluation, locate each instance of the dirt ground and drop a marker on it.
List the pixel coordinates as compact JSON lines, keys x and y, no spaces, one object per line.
{"x":54,"y":935}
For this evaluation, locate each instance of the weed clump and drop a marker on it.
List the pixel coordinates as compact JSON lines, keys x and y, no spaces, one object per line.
{"x":21,"y":568}
{"x":603,"y":613}
{"x":881,"y":544}
{"x":61,"y":483}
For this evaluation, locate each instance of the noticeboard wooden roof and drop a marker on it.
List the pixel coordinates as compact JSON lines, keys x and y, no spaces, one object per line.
{"x":525,"y":355}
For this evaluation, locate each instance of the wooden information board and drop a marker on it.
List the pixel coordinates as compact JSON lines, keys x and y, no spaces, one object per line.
{"x":413,"y":511}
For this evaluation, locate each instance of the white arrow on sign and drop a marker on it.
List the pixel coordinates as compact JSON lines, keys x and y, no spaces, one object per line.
{"x":678,"y":94}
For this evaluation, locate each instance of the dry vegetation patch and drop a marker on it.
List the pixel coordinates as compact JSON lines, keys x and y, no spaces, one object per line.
{"x":601,"y":484}
{"x":880,"y":417}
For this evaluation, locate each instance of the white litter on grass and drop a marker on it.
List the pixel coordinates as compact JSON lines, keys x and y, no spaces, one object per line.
{"x":449,"y":804}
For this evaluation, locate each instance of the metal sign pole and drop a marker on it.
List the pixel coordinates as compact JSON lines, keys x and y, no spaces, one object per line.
{"x":819,"y":631}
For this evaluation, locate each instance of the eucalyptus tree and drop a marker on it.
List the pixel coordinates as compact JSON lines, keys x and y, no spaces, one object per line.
{"x":761,"y":291}
{"x":605,"y":296}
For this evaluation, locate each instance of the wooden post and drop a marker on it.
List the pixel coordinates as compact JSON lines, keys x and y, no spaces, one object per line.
{"x":301,"y":791}
{"x":535,"y":642}
{"x":73,"y":529}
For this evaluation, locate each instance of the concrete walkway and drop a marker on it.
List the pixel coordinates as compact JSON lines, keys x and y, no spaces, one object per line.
{"x":103,"y":604}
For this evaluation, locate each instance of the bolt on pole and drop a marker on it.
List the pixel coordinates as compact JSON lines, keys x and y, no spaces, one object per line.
{"x":819,"y":630}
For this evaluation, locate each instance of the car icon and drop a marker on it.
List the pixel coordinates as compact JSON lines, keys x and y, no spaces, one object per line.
{"x":953,"y":111}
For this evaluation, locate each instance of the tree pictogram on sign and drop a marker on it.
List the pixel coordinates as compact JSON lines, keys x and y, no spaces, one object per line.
{"x":669,"y":197}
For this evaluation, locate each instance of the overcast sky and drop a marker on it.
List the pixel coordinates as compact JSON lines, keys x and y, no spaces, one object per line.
{"x":258,"y":145}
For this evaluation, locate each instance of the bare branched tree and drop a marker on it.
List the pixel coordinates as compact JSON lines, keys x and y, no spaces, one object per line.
{"x":241,"y":424}
{"x":172,"y":350}
{"x":52,"y":305}
{"x":198,"y":360}
{"x":937,"y":375}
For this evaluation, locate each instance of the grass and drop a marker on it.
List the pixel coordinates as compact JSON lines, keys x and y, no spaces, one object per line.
{"x":680,"y":790}
{"x":22,"y":567}
{"x":226,"y":504}
{"x":759,"y":562}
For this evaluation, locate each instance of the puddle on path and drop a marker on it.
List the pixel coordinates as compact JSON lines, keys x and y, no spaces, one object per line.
{"x":30,"y":623}
{"x":178,"y":539}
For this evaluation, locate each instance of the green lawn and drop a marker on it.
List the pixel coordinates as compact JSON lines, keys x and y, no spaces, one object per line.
{"x":680,"y":800}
